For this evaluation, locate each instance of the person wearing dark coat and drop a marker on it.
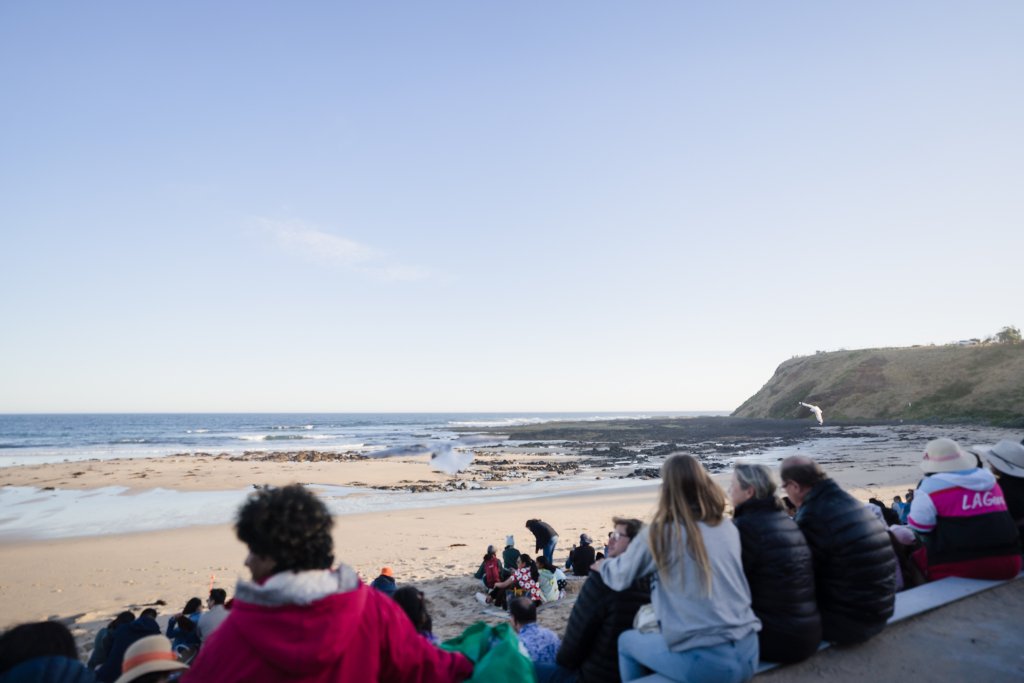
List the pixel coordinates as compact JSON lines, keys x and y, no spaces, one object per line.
{"x":105,"y":638}
{"x":547,"y":537}
{"x":124,"y":636}
{"x":778,"y":565}
{"x":590,"y":649}
{"x":1006,"y":460}
{"x":41,"y":652}
{"x":582,"y":556}
{"x":385,"y":583}
{"x":509,"y":556}
{"x":854,"y":565}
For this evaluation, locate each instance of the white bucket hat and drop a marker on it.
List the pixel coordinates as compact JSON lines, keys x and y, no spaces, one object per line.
{"x":945,"y":455}
{"x":1006,"y":456}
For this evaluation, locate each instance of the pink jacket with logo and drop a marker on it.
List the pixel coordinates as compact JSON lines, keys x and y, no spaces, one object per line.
{"x":966,"y":528}
{"x":319,"y":627}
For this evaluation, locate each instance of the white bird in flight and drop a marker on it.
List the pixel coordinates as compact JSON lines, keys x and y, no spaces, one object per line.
{"x":814,"y":409}
{"x":443,"y":457}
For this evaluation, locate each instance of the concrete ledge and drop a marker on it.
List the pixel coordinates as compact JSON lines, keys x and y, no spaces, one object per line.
{"x":915,"y":601}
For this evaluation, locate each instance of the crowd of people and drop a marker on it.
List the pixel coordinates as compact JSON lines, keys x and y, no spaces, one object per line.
{"x":693,"y":595}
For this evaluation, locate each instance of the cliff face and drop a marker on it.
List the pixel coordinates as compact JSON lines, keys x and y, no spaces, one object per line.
{"x":945,"y":383}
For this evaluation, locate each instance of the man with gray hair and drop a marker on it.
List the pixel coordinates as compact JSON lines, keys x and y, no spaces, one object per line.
{"x":854,"y":564}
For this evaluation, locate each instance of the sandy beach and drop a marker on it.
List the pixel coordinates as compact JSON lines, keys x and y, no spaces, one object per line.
{"x":85,"y":580}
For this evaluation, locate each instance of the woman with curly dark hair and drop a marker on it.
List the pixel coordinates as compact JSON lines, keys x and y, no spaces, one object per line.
{"x":299,"y":620}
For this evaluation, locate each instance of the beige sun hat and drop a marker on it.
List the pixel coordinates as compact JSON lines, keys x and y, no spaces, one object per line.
{"x":945,"y":455}
{"x":1006,"y":456}
{"x":146,"y":655}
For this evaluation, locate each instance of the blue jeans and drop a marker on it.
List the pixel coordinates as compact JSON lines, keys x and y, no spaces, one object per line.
{"x":646,"y":657}
{"x":549,"y":549}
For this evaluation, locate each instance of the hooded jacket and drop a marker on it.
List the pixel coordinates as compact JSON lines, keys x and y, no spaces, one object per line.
{"x":966,"y":527}
{"x":124,"y":636}
{"x":317,"y":627}
{"x":51,"y":669}
{"x":780,"y":570}
{"x":854,"y":564}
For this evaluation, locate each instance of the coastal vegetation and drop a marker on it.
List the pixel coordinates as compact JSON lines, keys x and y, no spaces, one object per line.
{"x":964,"y":382}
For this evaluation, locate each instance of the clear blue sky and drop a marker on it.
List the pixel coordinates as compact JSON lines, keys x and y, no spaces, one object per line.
{"x":493,"y":206}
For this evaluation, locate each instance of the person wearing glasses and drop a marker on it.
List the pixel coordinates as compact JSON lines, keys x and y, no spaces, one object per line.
{"x":854,"y":563}
{"x":590,"y":648}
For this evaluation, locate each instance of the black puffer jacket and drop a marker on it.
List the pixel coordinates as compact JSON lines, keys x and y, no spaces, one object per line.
{"x":854,"y":565}
{"x":780,"y":570}
{"x":600,"y":615}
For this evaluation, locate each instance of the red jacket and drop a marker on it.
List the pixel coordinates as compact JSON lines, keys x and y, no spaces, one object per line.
{"x":320,"y":627}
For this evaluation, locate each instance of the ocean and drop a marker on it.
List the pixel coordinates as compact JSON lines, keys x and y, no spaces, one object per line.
{"x":38,"y":439}
{"x":29,"y":512}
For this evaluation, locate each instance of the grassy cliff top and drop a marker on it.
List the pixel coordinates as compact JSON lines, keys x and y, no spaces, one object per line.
{"x":942,"y":383}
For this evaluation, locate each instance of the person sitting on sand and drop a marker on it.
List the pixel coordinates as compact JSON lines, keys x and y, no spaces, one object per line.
{"x":105,"y":638}
{"x":41,"y":652}
{"x":854,"y":565}
{"x":300,"y":621}
{"x":493,"y":571}
{"x":889,"y":516}
{"x":551,"y":580}
{"x":541,"y":643}
{"x":700,"y":596}
{"x":489,"y":572}
{"x":183,"y":628}
{"x":524,"y":579}
{"x":590,"y":649}
{"x":150,"y":660}
{"x":778,"y":565}
{"x":581,"y":556}
{"x":961,"y":515}
{"x":510,"y":556}
{"x":385,"y":582}
{"x":413,"y":603}
{"x":124,"y":636}
{"x":215,"y":613}
{"x":1006,"y":459}
{"x":546,"y":537}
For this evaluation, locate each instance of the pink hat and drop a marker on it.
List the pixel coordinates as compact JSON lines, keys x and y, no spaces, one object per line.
{"x":945,"y":455}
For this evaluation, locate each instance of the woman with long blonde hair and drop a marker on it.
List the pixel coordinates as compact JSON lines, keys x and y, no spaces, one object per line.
{"x":706,"y":629}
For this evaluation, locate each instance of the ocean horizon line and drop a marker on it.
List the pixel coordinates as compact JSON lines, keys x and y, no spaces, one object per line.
{"x":707,"y":411}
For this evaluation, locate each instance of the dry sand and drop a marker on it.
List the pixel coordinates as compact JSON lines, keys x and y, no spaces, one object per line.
{"x":85,"y":581}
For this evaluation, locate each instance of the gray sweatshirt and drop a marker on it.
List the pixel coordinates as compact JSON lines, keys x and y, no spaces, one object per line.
{"x":688,"y":618}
